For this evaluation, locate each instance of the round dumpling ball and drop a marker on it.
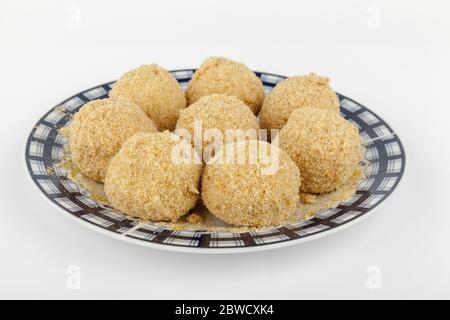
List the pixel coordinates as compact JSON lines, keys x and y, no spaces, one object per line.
{"x":98,"y":131}
{"x":254,"y":192}
{"x":155,"y":91}
{"x":222,"y":75}
{"x":293,"y":93}
{"x":221,"y":112}
{"x":144,"y":181}
{"x":326,"y":148}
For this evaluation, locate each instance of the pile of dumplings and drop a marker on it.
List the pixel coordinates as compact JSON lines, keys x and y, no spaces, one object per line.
{"x":127,"y":141}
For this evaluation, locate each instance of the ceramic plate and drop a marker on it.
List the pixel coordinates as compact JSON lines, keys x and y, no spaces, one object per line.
{"x":384,"y":153}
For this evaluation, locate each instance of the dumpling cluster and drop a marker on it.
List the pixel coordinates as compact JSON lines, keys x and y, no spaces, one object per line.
{"x":142,"y":142}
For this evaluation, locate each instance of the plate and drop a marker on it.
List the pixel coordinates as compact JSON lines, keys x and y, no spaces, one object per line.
{"x":383,"y":151}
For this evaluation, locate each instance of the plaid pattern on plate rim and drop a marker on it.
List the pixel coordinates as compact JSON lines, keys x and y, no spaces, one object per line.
{"x":384,"y":152}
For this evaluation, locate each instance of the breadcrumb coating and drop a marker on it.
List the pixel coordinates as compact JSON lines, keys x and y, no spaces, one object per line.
{"x":98,"y":131}
{"x":326,"y":148}
{"x":217,"y":111}
{"x":155,"y":91}
{"x":194,"y":218}
{"x":142,"y":180}
{"x":241,"y":196}
{"x":293,"y":93}
{"x":222,"y":75}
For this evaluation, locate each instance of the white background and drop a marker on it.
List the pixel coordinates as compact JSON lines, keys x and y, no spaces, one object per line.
{"x":392,"y":56}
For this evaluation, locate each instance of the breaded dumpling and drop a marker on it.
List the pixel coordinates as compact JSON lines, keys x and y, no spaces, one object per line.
{"x":98,"y":131}
{"x":222,"y":75}
{"x":143,"y":180}
{"x":261,"y":190}
{"x":218,"y":111}
{"x":155,"y":91}
{"x":325,"y":147}
{"x":293,"y":93}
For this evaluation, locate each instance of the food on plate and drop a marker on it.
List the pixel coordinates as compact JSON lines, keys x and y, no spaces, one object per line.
{"x":144,"y":181}
{"x":293,"y":93}
{"x":222,"y":113}
{"x":261,"y":190}
{"x":326,"y":148}
{"x":215,"y":154}
{"x":222,"y":75}
{"x":155,"y":91}
{"x":98,"y":131}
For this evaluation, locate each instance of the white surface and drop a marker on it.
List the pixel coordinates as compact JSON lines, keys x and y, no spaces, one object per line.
{"x":399,"y":68}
